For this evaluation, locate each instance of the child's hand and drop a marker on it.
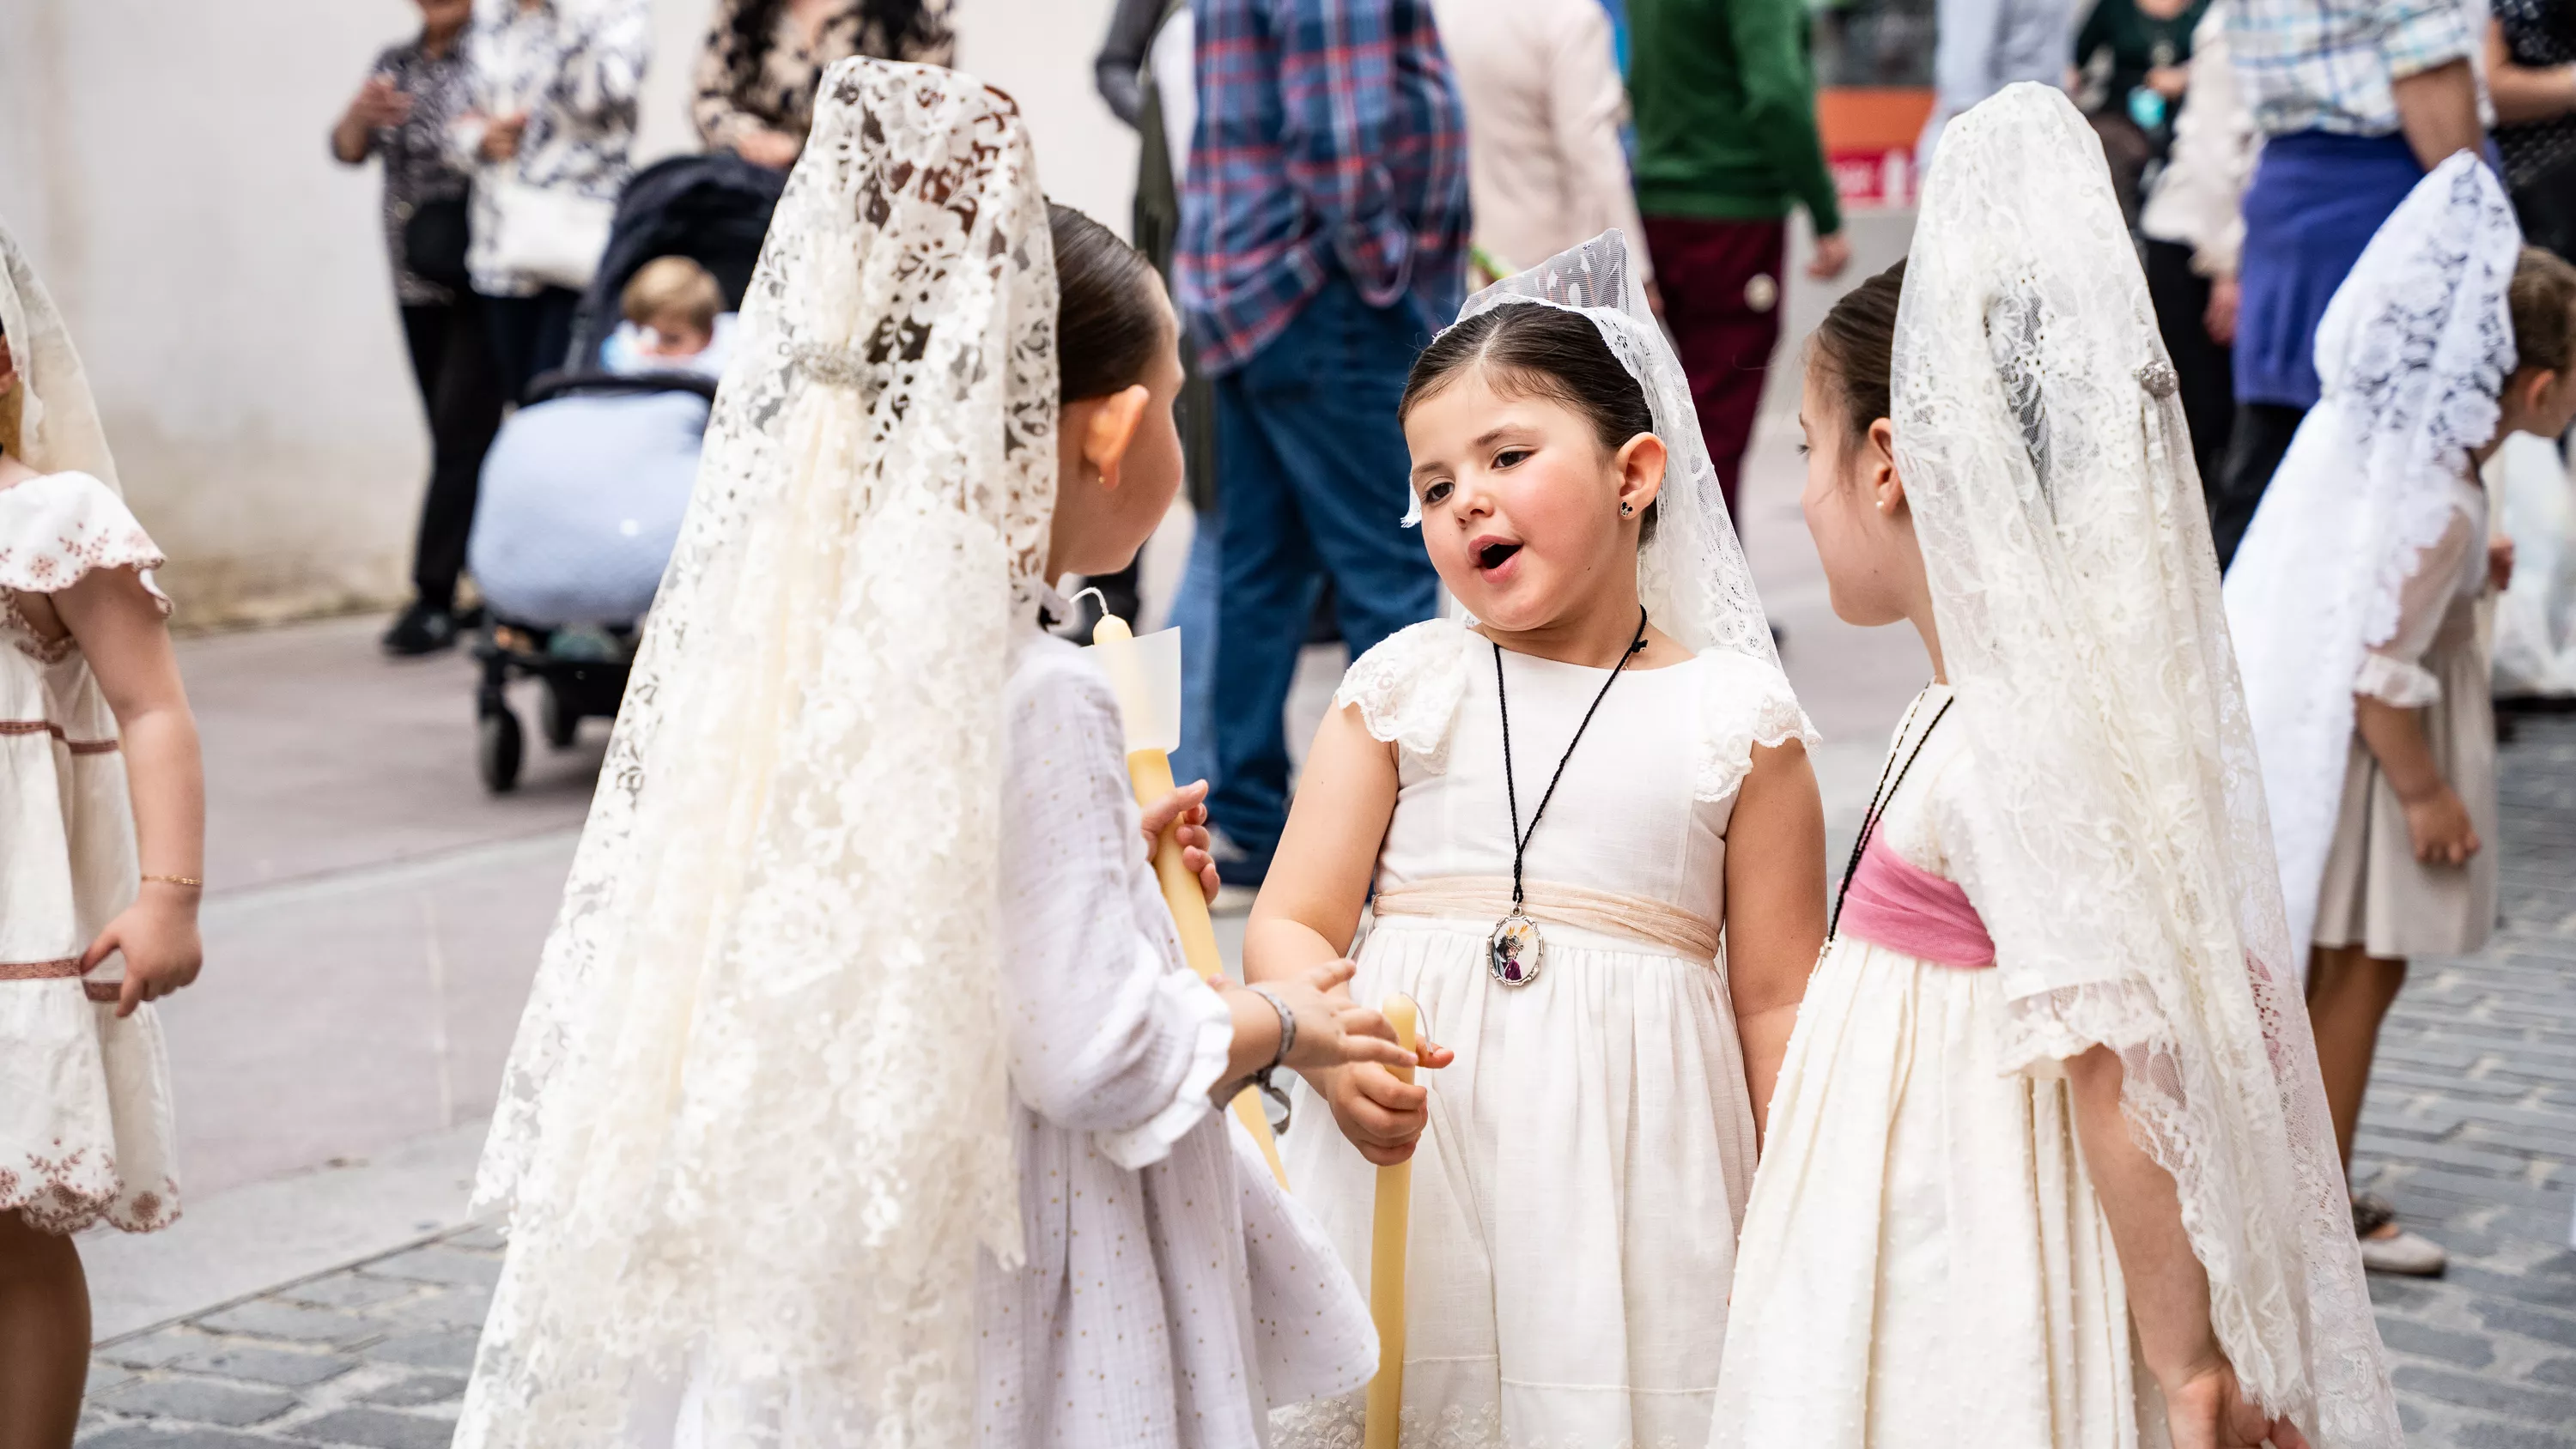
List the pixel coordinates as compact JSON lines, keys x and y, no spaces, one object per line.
{"x":2210,"y":1410}
{"x":2500,"y":564}
{"x":1185,"y":807}
{"x":1333,"y":1030}
{"x":158,"y":937}
{"x":1382,"y":1117}
{"x":2439,"y":825}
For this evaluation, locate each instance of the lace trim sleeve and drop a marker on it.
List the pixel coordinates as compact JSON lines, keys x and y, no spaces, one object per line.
{"x":1744,"y":702}
{"x":55,"y":530}
{"x":1407,"y":688}
{"x":2397,"y":682}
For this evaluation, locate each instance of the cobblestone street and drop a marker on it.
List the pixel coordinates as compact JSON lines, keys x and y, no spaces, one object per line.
{"x":2471,"y":1131}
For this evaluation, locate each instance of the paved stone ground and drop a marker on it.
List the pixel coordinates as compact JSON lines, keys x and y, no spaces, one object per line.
{"x":2471,"y":1131}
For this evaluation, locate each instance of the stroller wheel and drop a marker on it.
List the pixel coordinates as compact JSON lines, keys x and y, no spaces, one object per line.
{"x":499,"y":747}
{"x":557,"y":717}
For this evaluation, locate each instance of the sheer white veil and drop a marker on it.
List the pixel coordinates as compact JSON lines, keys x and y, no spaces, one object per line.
{"x":51,"y":423}
{"x":2117,"y":834}
{"x":1691,"y":573}
{"x":755,"y":1126}
{"x":2413,"y":352}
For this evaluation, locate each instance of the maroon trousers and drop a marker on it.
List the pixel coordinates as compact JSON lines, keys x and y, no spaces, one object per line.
{"x":1722,"y":293}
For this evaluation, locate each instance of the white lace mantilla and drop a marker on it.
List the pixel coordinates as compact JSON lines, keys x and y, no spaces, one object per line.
{"x":755,"y":1125}
{"x":2412,"y":354}
{"x":1408,"y":688}
{"x":2119,"y":831}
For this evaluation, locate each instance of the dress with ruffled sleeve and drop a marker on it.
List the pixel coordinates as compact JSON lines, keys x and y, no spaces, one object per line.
{"x":1576,"y":1196}
{"x":85,"y":1123}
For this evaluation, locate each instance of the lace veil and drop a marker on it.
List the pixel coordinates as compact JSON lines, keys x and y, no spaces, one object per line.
{"x":755,"y":1125}
{"x":50,"y":421}
{"x":2413,"y":351}
{"x":1691,"y":574}
{"x":2117,"y":835}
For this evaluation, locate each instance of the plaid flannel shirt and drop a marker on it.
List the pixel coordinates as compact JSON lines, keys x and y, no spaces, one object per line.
{"x":2329,"y":65}
{"x":1330,"y":138}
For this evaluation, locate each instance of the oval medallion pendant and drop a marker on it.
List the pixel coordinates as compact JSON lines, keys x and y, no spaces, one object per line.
{"x":1516,"y":951}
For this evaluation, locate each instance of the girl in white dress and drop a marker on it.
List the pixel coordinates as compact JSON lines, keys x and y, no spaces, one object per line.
{"x":102,"y":837}
{"x":2358,"y":605}
{"x":2048,"y":1164}
{"x":1563,"y":808}
{"x":865,"y":1097}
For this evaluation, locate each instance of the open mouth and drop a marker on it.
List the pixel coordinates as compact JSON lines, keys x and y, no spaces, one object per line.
{"x":1495,"y":555}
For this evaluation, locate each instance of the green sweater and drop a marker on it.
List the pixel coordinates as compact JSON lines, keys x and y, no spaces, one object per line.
{"x":1725,"y":102}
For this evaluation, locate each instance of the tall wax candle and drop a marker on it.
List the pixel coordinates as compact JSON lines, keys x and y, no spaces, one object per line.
{"x":1393,"y":1224}
{"x":1150,"y":772}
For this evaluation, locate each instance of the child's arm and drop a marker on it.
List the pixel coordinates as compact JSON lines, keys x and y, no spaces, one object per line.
{"x":1775,"y":908}
{"x":1105,"y":1035}
{"x":2393,"y":688}
{"x":1310,"y":908}
{"x":2168,"y":1288}
{"x":119,"y":627}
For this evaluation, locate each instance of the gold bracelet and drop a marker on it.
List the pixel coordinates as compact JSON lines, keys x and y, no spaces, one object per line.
{"x":178,"y":880}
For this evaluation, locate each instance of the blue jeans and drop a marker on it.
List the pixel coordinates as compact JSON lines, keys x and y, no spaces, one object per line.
{"x":1316,"y":482}
{"x":1194,"y":614}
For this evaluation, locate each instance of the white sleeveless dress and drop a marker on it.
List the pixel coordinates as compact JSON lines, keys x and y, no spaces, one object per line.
{"x":85,"y":1126}
{"x":1576,"y":1197}
{"x":1925,"y":1262}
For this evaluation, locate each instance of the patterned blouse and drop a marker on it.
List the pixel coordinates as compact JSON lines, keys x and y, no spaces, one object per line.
{"x":779,"y":96}
{"x":419,"y":166}
{"x":2540,"y":34}
{"x":576,"y":70}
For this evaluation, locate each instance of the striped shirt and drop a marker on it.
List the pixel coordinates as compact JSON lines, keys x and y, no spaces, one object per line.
{"x":2331,"y":65}
{"x":1330,"y":141}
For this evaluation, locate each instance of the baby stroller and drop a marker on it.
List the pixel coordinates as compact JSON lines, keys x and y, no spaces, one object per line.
{"x":584,"y":488}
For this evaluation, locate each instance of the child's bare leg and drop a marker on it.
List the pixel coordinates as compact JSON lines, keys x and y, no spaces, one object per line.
{"x":2349,"y":993}
{"x":44,"y":1337}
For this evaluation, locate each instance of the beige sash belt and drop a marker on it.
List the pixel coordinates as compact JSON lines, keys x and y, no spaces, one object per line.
{"x":1489,"y":898}
{"x":68,"y":968}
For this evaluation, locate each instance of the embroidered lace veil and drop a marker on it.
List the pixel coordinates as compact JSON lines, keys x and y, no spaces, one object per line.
{"x":754,"y":1127}
{"x":2117,"y":835}
{"x":2413,"y":352}
{"x":1691,"y":574}
{"x":51,"y":422}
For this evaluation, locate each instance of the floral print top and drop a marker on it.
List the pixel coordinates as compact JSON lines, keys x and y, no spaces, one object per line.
{"x":419,"y":166}
{"x":777,"y":94}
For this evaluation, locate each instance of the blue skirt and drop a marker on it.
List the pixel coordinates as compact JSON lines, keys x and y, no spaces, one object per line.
{"x":2316,"y":200}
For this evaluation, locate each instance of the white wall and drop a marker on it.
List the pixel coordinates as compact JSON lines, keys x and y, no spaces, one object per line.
{"x":165,"y":166}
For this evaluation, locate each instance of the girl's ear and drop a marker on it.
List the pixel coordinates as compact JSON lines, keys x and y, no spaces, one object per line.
{"x":2539,"y":390}
{"x":1878,"y":468}
{"x":1112,"y":428}
{"x":1641,"y":462}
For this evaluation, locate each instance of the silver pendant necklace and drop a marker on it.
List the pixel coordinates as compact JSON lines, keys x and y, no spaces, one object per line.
{"x":1516,"y":952}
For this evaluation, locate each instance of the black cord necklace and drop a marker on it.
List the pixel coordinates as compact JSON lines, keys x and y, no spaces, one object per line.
{"x":1516,"y":951}
{"x":1880,"y":798}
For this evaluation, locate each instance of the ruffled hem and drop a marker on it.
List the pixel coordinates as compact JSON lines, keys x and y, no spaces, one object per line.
{"x":57,"y":529}
{"x":2394,"y":681}
{"x":1211,"y":1046}
{"x":67,"y":1194}
{"x":1747,"y":702}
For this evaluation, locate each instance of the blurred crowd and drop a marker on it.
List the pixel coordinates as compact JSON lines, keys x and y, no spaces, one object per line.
{"x":1323,"y":181}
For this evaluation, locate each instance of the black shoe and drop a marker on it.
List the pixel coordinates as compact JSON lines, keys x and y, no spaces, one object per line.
{"x":420,"y":630}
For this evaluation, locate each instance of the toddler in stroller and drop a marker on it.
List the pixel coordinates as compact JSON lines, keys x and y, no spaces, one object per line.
{"x":585,"y":487}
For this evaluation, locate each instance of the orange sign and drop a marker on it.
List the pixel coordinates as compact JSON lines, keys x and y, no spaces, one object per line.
{"x":1869,"y":134}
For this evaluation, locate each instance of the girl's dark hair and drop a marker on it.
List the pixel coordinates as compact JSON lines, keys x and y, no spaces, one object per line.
{"x":755,"y":26}
{"x":1540,"y":351}
{"x":1856,"y":347}
{"x":1106,"y":331}
{"x":2542,"y":298}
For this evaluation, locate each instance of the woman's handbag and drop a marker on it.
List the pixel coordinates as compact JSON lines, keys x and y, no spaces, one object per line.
{"x":547,"y":234}
{"x":435,"y":238}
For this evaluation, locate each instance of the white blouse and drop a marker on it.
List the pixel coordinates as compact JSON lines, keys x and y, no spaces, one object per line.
{"x":1173,"y":1294}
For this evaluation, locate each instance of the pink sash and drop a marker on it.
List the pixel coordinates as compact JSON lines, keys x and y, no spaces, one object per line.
{"x":1904,"y":907}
